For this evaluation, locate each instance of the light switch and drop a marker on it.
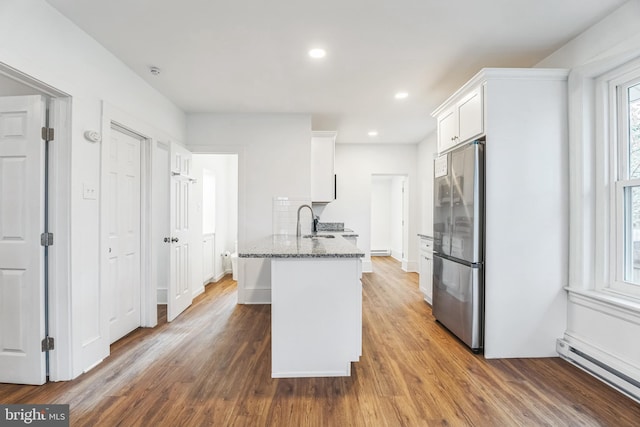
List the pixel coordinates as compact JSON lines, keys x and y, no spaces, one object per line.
{"x":89,"y":191}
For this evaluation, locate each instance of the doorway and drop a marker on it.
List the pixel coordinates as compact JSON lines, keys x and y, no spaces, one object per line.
{"x":216,"y":222}
{"x":389,"y":216}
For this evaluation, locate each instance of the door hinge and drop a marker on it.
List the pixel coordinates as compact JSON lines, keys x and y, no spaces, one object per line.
{"x":46,"y":239}
{"x":47,"y":344}
{"x":47,"y":134}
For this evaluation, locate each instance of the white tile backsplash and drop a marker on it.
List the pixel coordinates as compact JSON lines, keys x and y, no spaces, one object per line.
{"x":285,"y":211}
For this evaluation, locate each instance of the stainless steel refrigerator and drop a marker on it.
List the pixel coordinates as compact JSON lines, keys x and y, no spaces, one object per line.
{"x":458,"y":261}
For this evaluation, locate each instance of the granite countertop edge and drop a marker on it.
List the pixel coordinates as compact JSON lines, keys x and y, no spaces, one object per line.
{"x":299,"y":255}
{"x":282,"y":246}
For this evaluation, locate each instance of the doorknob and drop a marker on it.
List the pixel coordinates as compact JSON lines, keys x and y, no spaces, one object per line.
{"x":174,"y":239}
{"x":167,"y":240}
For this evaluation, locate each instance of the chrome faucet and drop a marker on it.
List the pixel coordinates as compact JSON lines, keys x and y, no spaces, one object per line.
{"x":314,"y":221}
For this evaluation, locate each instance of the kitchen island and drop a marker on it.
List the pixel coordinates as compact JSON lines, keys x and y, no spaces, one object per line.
{"x":316,"y":303}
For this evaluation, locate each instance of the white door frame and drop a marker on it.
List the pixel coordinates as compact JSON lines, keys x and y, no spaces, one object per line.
{"x":148,"y":294}
{"x":60,"y":360}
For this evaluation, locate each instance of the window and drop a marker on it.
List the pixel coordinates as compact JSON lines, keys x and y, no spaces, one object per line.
{"x":626,"y":125}
{"x":604,"y":185}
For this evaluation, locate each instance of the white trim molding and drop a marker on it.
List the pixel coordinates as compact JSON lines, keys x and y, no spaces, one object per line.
{"x":61,"y":360}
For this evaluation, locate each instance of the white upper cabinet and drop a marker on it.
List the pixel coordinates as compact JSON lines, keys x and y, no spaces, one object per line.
{"x":323,"y":178}
{"x":470,"y":115}
{"x":460,"y":118}
{"x":447,"y":129}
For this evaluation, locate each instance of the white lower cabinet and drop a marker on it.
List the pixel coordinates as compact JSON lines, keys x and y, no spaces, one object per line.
{"x":426,"y":268}
{"x":316,"y":316}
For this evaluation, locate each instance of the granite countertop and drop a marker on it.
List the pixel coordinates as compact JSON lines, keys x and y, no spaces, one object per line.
{"x":285,"y":246}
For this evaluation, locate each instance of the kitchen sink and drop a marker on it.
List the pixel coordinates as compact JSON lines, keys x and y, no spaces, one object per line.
{"x":315,"y":236}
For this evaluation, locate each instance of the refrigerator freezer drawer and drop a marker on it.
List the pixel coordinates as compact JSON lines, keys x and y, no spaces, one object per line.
{"x":458,"y":297}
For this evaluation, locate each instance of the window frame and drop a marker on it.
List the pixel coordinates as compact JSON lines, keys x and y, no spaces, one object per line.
{"x":617,"y":123}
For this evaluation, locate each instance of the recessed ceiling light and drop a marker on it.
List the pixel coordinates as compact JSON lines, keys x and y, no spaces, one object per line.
{"x":401,"y":95}
{"x":317,"y":53}
{"x":373,"y":133}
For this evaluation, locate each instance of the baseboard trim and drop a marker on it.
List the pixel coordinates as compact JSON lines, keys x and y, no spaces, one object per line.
{"x":257,"y":296}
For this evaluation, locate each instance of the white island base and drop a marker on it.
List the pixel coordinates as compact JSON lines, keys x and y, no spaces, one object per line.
{"x":316,"y":316}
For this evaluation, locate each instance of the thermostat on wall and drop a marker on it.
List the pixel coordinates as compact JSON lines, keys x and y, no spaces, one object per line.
{"x":92,"y":136}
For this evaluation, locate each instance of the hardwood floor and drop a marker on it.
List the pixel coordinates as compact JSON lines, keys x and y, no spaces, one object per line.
{"x":212,"y":365}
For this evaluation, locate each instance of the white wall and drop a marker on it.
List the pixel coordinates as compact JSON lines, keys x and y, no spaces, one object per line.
{"x":40,"y":42}
{"x":426,"y":151}
{"x":274,"y":160}
{"x":381,"y":213}
{"x":355,"y":164}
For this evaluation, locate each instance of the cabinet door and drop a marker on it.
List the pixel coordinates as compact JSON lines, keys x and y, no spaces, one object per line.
{"x":447,"y":130}
{"x":322,"y":167}
{"x":426,"y":275}
{"x":470,"y":117}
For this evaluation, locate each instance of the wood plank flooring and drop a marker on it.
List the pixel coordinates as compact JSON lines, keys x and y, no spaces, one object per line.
{"x":212,"y":365}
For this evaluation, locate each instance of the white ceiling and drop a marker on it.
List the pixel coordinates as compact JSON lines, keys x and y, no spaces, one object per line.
{"x":250,"y":56}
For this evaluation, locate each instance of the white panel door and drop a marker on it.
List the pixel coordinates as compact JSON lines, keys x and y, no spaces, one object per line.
{"x":22,"y":322}
{"x":180,"y":240}
{"x":123,"y":234}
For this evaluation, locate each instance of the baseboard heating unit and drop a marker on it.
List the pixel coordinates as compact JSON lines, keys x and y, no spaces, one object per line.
{"x":380,"y":252}
{"x":605,"y":373}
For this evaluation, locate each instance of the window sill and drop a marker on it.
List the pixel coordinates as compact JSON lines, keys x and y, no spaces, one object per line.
{"x":611,"y":299}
